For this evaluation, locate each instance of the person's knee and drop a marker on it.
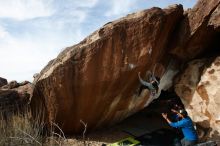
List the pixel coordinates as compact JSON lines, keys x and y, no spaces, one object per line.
{"x":183,"y":142}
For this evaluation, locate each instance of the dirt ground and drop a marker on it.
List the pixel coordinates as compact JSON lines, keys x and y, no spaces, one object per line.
{"x":137,"y":125}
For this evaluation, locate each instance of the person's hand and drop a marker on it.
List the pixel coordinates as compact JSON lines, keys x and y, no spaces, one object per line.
{"x":173,"y":110}
{"x":164,"y":115}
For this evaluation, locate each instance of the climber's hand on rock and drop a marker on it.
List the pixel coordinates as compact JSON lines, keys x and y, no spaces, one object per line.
{"x":164,"y":115}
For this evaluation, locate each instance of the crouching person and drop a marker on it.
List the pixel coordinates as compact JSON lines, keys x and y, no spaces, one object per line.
{"x":187,"y":127}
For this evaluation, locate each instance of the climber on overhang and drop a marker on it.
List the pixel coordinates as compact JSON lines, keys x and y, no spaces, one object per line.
{"x":152,"y":85}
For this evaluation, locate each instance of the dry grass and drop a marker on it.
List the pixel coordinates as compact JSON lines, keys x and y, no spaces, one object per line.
{"x":20,"y":129}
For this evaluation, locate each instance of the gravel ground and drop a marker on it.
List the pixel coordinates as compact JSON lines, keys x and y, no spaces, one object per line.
{"x":97,"y":138}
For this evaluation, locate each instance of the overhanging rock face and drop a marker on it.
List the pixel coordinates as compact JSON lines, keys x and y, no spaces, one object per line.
{"x":96,"y":80}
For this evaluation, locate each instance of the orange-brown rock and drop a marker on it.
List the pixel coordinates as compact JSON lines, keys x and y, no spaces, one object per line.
{"x":196,"y":31}
{"x":96,"y":80}
{"x":199,"y":88}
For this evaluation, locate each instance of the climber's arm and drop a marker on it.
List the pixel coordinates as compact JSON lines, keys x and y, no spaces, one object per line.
{"x":143,"y":82}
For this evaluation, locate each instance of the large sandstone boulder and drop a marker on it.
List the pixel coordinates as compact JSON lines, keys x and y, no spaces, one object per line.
{"x":198,"y":36}
{"x":96,"y":80}
{"x":199,"y":88}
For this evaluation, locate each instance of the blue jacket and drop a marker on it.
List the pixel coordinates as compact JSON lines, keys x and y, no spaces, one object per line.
{"x":187,"y":127}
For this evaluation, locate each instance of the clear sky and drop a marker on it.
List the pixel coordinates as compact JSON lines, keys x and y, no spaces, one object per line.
{"x":32,"y":32}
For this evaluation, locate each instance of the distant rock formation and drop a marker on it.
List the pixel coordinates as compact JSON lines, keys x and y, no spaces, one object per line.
{"x":3,"y":82}
{"x":14,"y":98}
